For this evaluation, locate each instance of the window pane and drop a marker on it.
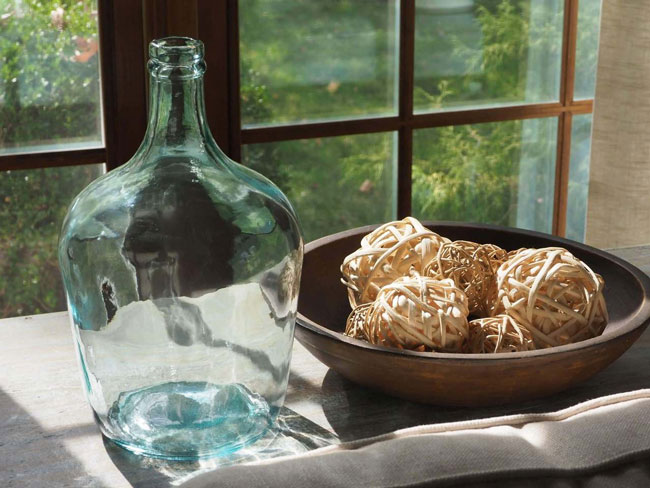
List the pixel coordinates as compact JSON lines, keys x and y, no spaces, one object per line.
{"x":486,"y":52}
{"x":32,"y":206}
{"x":500,"y":173}
{"x":587,"y":48}
{"x":578,"y":177}
{"x":317,"y":59}
{"x":335,"y":183}
{"x":49,"y":76}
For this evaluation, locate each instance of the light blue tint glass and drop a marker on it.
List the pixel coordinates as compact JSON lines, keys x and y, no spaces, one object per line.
{"x":472,"y":53}
{"x":498,"y":173}
{"x":181,"y":270}
{"x":49,"y":76}
{"x":32,"y":206}
{"x":576,"y":216}
{"x":587,"y":48}
{"x":335,"y":183}
{"x":305,"y":60}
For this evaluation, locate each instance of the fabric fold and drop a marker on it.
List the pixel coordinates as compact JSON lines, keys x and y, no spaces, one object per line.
{"x":580,"y":439}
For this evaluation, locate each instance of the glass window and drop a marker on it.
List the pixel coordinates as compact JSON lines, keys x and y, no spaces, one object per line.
{"x":33,"y":204}
{"x":576,"y":217}
{"x":335,"y":183}
{"x":49,"y":76}
{"x":471,"y":53}
{"x":306,"y":60}
{"x":587,"y":48}
{"x":500,"y":173}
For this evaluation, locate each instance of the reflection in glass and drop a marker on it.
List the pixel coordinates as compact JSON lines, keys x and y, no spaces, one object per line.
{"x":335,"y":183}
{"x":49,"y":76}
{"x":291,"y":435}
{"x":587,"y":48}
{"x":500,"y":173}
{"x":32,"y":206}
{"x":486,"y":52}
{"x":578,"y":177}
{"x":317,"y":59}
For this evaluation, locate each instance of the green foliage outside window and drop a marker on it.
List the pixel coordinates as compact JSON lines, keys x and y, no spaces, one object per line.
{"x":495,"y":52}
{"x":49,"y":92}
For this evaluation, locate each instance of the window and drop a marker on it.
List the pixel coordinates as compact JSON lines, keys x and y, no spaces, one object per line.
{"x":361,"y":110}
{"x":471,"y":103}
{"x":50,"y":115}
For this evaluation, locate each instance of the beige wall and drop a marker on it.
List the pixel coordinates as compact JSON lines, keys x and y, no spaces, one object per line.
{"x":618,"y":211}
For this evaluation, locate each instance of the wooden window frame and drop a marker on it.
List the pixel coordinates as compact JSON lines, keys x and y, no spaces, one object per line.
{"x":126,"y":27}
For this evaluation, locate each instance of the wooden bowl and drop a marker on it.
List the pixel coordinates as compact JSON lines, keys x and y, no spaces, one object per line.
{"x":465,"y":379}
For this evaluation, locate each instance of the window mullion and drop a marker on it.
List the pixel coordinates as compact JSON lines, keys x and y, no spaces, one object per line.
{"x":52,"y":159}
{"x":123,"y":78}
{"x":405,"y":134}
{"x":569,"y":41}
{"x":219,"y":30}
{"x":234,"y":110}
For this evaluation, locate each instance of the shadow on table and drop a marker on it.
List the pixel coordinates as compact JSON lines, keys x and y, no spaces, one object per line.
{"x":293,"y":434}
{"x":25,"y":444}
{"x":355,"y":412}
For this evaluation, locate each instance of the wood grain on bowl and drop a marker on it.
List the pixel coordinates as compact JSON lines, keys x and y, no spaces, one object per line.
{"x":462,"y":379}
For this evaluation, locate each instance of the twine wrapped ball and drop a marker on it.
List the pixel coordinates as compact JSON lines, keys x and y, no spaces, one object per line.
{"x":498,"y":334}
{"x":513,"y":253}
{"x":355,"y":326}
{"x":420,"y":313}
{"x":495,"y":255}
{"x":553,"y":294}
{"x":386,"y":254}
{"x":468,"y":265}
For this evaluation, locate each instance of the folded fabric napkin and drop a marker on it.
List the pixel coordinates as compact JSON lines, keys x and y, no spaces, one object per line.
{"x":586,"y":437}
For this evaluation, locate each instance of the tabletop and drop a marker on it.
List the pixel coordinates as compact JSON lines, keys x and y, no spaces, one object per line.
{"x":48,"y":436}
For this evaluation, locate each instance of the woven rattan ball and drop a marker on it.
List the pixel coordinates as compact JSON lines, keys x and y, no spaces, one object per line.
{"x":355,"y":326}
{"x":468,"y":265}
{"x":418,"y":312}
{"x":553,"y":294}
{"x":514,"y":252}
{"x":388,"y":253}
{"x":498,"y":334}
{"x":495,"y":255}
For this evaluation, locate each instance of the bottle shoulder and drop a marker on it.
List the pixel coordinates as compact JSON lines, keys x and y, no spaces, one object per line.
{"x":180,"y":188}
{"x":252,"y":178}
{"x":261,"y":183}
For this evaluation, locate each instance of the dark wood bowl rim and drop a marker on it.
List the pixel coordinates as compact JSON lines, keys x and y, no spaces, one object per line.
{"x":640,"y":319}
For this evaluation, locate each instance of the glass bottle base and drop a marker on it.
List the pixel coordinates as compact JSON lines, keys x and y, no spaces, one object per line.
{"x":187,"y":420}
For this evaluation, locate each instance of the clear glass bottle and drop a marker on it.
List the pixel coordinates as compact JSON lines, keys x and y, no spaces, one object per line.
{"x":182,"y":269}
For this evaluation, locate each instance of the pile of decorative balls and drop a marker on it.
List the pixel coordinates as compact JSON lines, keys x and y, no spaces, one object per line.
{"x":411,"y":288}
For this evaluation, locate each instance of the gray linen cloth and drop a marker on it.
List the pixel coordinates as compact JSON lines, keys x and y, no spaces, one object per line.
{"x":602,"y":441}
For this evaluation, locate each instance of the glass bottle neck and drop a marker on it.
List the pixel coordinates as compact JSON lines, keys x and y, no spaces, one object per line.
{"x":176,"y":115}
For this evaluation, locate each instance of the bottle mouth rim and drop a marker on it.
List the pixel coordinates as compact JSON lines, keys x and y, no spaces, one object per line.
{"x":176,"y":50}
